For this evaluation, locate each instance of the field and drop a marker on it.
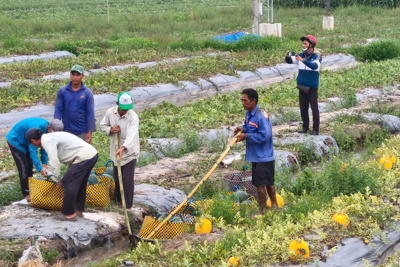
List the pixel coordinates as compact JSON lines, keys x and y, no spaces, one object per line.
{"x":153,"y":30}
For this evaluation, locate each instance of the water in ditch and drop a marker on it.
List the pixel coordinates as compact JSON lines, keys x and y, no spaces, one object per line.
{"x":110,"y":250}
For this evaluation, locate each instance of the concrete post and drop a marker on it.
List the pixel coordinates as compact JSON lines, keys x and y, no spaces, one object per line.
{"x":256,"y":17}
{"x":271,"y":29}
{"x":328,"y":23}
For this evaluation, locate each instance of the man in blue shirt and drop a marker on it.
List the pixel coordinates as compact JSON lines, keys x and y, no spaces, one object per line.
{"x":75,"y":106}
{"x":25,"y":155}
{"x":257,"y":132}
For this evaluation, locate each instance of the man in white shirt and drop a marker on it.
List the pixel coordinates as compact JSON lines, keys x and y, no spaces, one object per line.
{"x":124,"y":120}
{"x":66,"y":148}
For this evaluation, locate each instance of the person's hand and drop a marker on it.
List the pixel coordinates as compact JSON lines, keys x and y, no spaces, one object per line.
{"x":238,"y":129}
{"x":45,"y":166}
{"x":115,"y":129}
{"x":43,"y":172}
{"x":240,"y":137}
{"x":119,"y":151}
{"x":59,"y":184}
{"x":299,"y":58}
{"x":287,"y":53}
{"x":88,"y":138}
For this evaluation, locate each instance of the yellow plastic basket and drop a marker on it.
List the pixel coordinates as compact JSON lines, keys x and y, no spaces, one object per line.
{"x":47,"y":195}
{"x":99,"y":194}
{"x":169,"y":230}
{"x":100,"y":171}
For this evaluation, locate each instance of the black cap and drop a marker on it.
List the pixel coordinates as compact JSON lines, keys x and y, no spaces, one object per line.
{"x":33,"y":133}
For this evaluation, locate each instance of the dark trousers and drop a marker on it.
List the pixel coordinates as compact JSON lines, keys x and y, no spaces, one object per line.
{"x":128,"y":175}
{"x":309,"y":99}
{"x":75,"y":183}
{"x":25,"y":167}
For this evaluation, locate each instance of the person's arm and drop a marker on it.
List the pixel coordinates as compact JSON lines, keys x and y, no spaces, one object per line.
{"x":33,"y":151}
{"x":91,"y":120}
{"x":59,"y":107}
{"x":43,"y":156}
{"x":54,"y":162}
{"x":263,"y":134}
{"x":105,"y":125}
{"x":314,"y":63}
{"x":288,"y":59}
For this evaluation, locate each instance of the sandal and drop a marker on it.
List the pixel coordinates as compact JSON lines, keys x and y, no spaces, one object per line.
{"x":65,"y":219}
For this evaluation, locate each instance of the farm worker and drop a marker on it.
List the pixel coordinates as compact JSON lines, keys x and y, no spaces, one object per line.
{"x":25,"y":155}
{"x":257,"y":132}
{"x":80,"y":156}
{"x":75,"y":106}
{"x":124,"y":120}
{"x":309,"y":63}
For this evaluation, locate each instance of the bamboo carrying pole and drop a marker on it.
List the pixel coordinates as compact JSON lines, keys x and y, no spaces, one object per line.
{"x":195,"y":189}
{"x":121,"y":186}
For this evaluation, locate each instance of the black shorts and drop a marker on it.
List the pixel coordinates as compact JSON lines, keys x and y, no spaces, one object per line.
{"x":263,"y":173}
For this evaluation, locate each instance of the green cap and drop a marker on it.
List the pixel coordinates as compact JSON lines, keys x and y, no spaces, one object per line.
{"x":77,"y":68}
{"x":125,"y":101}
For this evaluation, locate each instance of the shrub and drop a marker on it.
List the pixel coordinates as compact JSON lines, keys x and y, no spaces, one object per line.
{"x":380,"y":50}
{"x":125,"y":45}
{"x":11,"y":41}
{"x":67,"y":46}
{"x":10,"y":191}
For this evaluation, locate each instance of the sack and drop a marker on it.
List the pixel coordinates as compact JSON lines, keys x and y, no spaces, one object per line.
{"x":304,"y":89}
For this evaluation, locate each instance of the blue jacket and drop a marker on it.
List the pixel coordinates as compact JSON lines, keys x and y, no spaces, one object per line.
{"x":76,"y":109}
{"x":258,"y":135}
{"x":309,"y":70}
{"x":16,"y":138}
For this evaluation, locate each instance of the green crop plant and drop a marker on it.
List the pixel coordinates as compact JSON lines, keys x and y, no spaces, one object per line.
{"x":344,"y":184}
{"x":49,"y":256}
{"x":10,"y":191}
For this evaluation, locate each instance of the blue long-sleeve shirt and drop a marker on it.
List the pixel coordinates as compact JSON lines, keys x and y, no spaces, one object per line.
{"x":308,"y":70}
{"x":16,"y":138}
{"x":76,"y":109}
{"x":258,"y":135}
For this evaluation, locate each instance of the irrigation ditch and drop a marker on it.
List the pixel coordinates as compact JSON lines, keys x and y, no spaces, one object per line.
{"x":102,"y":228}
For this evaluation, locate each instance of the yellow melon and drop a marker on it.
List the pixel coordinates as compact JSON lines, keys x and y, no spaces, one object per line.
{"x":279,"y":199}
{"x":341,"y":218}
{"x":298,"y":250}
{"x":203,"y":227}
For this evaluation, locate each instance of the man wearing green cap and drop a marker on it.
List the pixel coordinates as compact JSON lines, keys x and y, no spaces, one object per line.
{"x":75,"y":106}
{"x":124,"y":120}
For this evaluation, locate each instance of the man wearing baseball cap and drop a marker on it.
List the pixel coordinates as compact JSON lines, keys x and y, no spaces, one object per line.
{"x":75,"y":106}
{"x":309,"y":62}
{"x":80,"y":157}
{"x":124,"y":120}
{"x":25,"y":155}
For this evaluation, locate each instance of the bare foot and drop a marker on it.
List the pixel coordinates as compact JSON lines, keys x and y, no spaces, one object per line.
{"x":79,"y":213}
{"x":28,"y":198}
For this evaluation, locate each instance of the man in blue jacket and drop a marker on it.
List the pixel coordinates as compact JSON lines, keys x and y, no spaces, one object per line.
{"x":75,"y":106}
{"x":257,"y":132}
{"x":309,"y":63}
{"x":25,"y":155}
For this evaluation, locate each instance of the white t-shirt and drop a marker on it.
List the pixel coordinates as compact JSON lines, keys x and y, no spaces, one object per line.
{"x":63,"y":147}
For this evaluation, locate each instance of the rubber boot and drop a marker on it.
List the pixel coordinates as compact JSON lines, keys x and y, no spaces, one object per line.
{"x":272,"y":196}
{"x":262,"y":198}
